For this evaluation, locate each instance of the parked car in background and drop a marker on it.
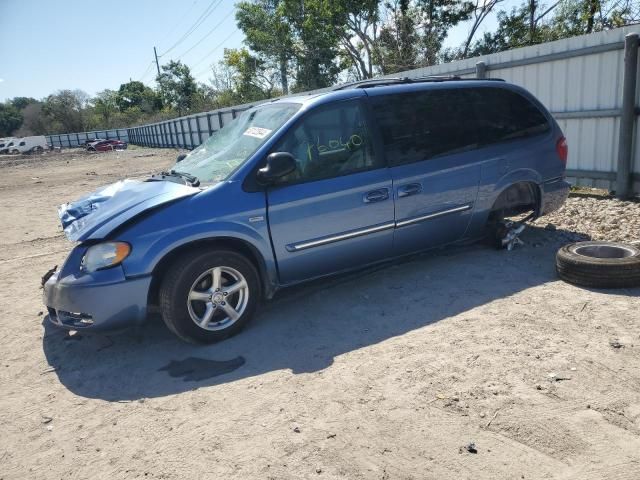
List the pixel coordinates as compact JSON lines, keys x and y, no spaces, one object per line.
{"x":305,"y":187}
{"x":4,"y":144}
{"x":106,"y":145}
{"x":89,"y":141}
{"x":34,"y":144}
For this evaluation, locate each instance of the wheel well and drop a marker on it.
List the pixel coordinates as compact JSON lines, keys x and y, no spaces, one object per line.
{"x":518,"y":198}
{"x":227,"y":243}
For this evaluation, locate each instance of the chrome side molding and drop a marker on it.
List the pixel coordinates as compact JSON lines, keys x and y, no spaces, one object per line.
{"x":296,"y":247}
{"x":422,"y":218}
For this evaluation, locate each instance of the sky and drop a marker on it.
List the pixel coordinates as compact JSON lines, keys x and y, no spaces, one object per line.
{"x":50,"y":45}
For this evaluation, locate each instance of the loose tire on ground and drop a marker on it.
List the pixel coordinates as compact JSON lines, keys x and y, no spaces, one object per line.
{"x":599,"y":264}
{"x":191,"y":277}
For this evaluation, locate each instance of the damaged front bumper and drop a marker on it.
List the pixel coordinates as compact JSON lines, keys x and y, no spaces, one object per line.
{"x":103,"y":300}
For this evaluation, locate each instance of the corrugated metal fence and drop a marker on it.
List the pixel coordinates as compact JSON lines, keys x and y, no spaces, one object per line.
{"x":184,"y":132}
{"x":68,"y":140}
{"x":579,"y":79}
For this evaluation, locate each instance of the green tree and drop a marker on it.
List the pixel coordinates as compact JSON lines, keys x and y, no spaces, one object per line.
{"x":399,"y":38}
{"x":10,"y":119}
{"x":315,"y":37}
{"x":579,"y":17}
{"x":520,"y":27}
{"x":481,"y":11}
{"x":438,"y":17}
{"x":105,"y":106}
{"x":21,"y":102}
{"x":268,"y":34}
{"x":66,"y":110}
{"x":221,"y":86}
{"x":35,"y":122}
{"x":177,"y":86}
{"x":251,"y":79}
{"x":358,"y":23}
{"x":137,"y":94}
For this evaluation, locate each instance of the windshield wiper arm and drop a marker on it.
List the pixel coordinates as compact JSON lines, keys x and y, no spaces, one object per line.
{"x":191,"y":179}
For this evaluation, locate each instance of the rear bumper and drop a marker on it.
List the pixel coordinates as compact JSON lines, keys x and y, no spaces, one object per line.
{"x":554,"y":194}
{"x":105,"y":301}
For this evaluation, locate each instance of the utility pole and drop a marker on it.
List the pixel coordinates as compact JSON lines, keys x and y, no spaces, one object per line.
{"x":155,"y":53}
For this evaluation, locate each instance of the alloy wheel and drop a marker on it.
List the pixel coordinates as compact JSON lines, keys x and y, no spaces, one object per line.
{"x":218,"y":298}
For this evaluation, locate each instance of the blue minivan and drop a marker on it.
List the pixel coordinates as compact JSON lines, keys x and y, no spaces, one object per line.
{"x":303,"y":187}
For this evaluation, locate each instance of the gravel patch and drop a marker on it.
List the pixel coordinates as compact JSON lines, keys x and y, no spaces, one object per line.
{"x":597,"y":218}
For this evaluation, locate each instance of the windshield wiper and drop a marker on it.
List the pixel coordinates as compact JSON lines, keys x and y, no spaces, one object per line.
{"x":192,"y":179}
{"x":188,"y":178}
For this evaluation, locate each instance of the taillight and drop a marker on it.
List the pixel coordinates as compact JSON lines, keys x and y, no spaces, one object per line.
{"x":563,"y":149}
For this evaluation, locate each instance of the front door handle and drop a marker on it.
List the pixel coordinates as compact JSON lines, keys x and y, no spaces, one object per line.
{"x":410,"y":189}
{"x":376,"y":195}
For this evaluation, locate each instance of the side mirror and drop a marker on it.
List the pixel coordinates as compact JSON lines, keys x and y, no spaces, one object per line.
{"x":181,"y":157}
{"x":278,"y":165}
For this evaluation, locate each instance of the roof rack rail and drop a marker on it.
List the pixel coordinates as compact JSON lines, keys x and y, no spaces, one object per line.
{"x":383,"y":82}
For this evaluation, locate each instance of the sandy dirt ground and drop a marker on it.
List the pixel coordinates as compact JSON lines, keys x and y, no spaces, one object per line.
{"x":386,"y":374}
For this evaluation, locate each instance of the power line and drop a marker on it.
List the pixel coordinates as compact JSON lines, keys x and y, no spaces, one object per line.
{"x":212,"y":51}
{"x":182,"y":18}
{"x":141,"y":77}
{"x":208,"y":11}
{"x":207,"y":34}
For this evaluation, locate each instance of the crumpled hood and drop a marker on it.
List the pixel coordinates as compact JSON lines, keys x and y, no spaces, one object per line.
{"x":97,"y":214}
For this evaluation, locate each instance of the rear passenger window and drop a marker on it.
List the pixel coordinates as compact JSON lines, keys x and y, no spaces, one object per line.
{"x":420,"y":126}
{"x":329,"y":142}
{"x":502,"y":115}
{"x":429,"y":124}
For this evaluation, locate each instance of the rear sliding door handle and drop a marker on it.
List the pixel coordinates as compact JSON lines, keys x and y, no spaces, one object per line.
{"x":410,"y":189}
{"x":376,"y":195}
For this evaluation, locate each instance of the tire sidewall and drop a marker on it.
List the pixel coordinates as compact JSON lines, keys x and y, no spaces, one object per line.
{"x":568,"y":253}
{"x":177,"y":285}
{"x":598,"y":272}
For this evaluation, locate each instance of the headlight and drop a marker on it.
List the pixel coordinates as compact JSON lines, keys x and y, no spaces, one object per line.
{"x":104,"y":255}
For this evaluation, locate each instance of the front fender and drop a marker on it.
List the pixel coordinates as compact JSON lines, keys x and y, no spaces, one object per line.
{"x":149,"y":255}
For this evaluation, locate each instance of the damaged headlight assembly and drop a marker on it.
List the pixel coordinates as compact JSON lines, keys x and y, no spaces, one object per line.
{"x":104,"y":255}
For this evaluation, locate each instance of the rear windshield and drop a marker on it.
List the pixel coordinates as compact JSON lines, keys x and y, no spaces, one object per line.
{"x":423,"y":125}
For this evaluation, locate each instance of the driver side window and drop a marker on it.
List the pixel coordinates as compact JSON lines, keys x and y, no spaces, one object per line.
{"x":329,"y":142}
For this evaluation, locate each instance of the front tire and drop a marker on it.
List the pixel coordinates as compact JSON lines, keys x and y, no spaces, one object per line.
{"x":206,"y":297}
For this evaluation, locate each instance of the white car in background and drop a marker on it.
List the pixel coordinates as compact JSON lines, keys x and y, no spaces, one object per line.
{"x":35,"y":144}
{"x":4,"y":144}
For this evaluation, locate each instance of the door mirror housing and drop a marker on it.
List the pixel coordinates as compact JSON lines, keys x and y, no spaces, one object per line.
{"x":278,"y":165}
{"x":181,"y":157}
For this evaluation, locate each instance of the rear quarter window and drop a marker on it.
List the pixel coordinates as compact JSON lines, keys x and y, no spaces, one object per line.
{"x":432,"y":123}
{"x":502,"y":114}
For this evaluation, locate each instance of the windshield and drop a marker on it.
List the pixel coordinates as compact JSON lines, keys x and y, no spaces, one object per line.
{"x":231,"y":146}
